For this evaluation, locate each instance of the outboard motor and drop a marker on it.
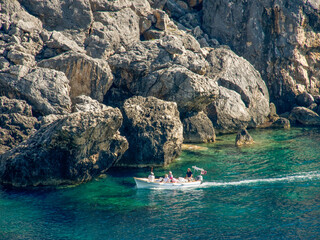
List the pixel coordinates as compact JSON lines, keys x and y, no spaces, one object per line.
{"x":200,"y":178}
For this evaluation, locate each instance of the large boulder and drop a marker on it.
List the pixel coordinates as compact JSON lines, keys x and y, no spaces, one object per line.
{"x":148,"y":69}
{"x":304,"y":116}
{"x":46,"y":90}
{"x":71,"y":150}
{"x":72,"y":17}
{"x":243,"y":96}
{"x":304,"y":99}
{"x":88,"y":76}
{"x":16,"y":122}
{"x":280,"y":38}
{"x":111,"y":30}
{"x":154,"y":132}
{"x":197,"y":128}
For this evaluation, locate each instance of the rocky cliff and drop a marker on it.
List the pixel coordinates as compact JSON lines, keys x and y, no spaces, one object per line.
{"x":170,"y":66}
{"x":279,"y":37}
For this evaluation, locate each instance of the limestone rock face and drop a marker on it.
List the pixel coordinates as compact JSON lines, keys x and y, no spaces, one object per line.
{"x":71,"y":150}
{"x":16,"y":122}
{"x":304,"y":116}
{"x":243,"y":96}
{"x":88,"y":76}
{"x":46,"y":90}
{"x":243,"y":138}
{"x":198,"y":128}
{"x":70,"y":17}
{"x":280,"y":38}
{"x":111,"y":30}
{"x":154,"y":132}
{"x":148,"y":69}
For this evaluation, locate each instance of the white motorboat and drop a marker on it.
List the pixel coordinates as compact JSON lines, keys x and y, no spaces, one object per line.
{"x":179,"y":183}
{"x":145,"y":183}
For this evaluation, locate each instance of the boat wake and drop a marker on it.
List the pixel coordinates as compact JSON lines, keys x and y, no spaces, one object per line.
{"x":300,"y":177}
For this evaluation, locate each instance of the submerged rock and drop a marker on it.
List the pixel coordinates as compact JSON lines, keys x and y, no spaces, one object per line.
{"x":71,"y":150}
{"x":154,"y":132}
{"x":243,"y":138}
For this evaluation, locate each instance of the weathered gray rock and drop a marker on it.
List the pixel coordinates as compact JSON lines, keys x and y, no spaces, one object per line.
{"x":124,"y":23}
{"x":152,"y":34}
{"x":71,"y":150}
{"x":195,"y":62}
{"x":243,"y":99}
{"x":137,"y":71}
{"x":316,"y":99}
{"x":281,"y":123}
{"x":72,"y":18}
{"x":304,"y":99}
{"x":228,"y":113}
{"x":85,"y":104}
{"x":112,"y":29}
{"x":273,"y":116}
{"x":243,"y":138}
{"x":172,"y":44}
{"x":59,"y":41}
{"x":304,"y":116}
{"x":46,"y":90}
{"x":190,"y":91}
{"x":174,"y":9}
{"x":48,"y":119}
{"x":16,"y":122}
{"x":21,"y":58}
{"x":144,"y":24}
{"x":197,"y":128}
{"x":141,"y":7}
{"x":280,"y":38}
{"x":88,"y":76}
{"x":154,"y":132}
{"x":162,"y":19}
{"x":21,"y":32}
{"x":101,"y":42}
{"x":8,"y":106}
{"x":111,"y":6}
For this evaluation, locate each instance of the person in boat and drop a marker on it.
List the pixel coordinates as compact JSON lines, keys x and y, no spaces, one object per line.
{"x":189,"y":175}
{"x":166,"y":178}
{"x":172,"y":179}
{"x":151,"y":177}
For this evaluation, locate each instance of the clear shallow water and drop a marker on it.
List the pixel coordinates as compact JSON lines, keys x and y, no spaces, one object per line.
{"x":269,"y":190}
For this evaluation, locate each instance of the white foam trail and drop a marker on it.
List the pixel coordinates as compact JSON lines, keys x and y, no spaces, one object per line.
{"x":291,"y":178}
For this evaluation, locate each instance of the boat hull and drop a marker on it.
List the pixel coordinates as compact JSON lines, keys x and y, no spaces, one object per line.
{"x":145,"y":183}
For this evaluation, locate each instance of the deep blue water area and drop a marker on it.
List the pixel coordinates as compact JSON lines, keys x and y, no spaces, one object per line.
{"x":269,"y":190}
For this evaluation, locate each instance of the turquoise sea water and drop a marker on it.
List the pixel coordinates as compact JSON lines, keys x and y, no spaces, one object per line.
{"x":269,"y":190}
